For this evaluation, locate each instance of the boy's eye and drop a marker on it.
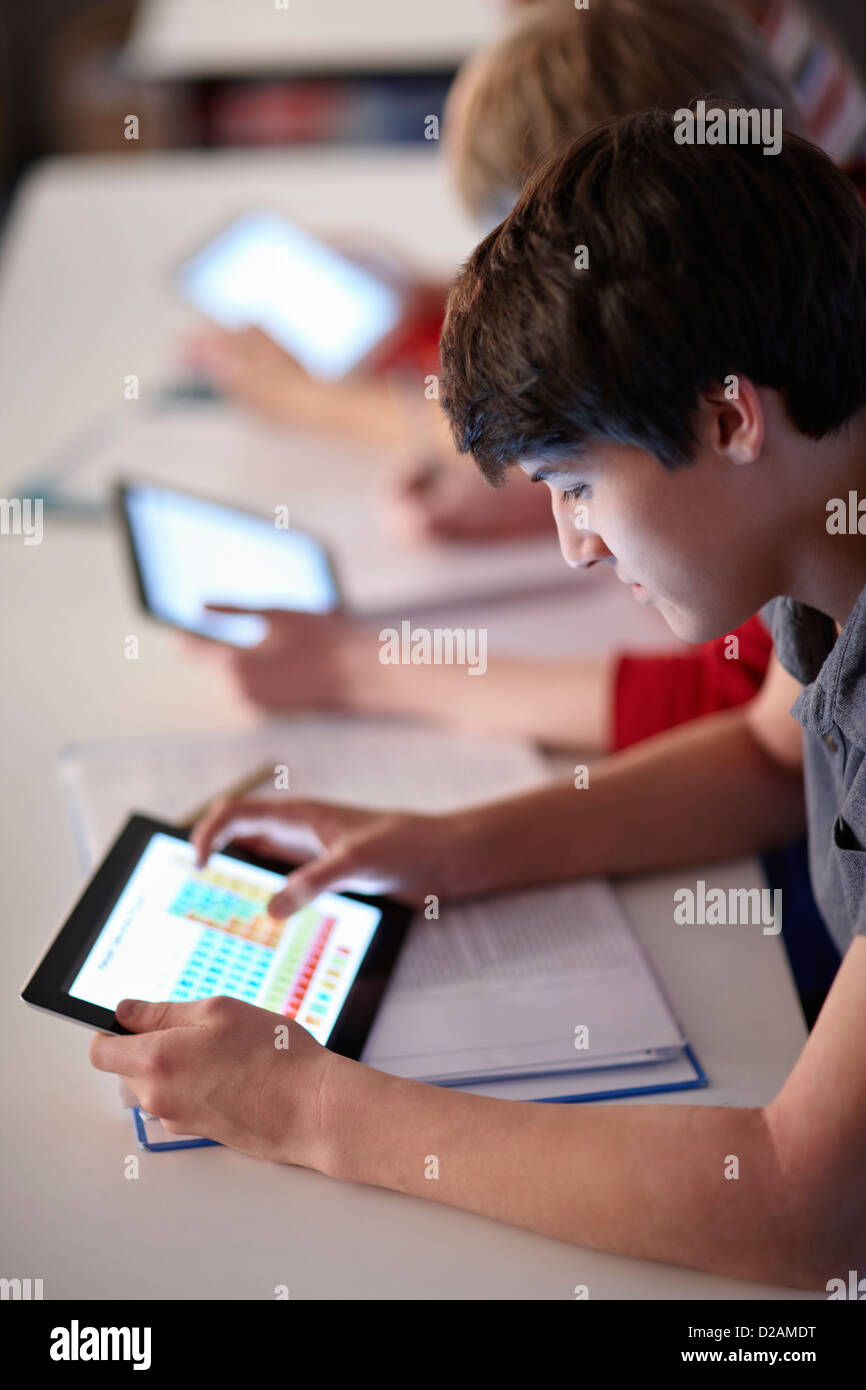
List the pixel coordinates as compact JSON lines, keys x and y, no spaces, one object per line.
{"x":575,"y":494}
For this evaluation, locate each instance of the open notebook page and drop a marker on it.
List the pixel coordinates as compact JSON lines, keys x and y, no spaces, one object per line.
{"x":550,"y":980}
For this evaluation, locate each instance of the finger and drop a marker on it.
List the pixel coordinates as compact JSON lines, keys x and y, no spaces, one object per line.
{"x":253,"y":334}
{"x":258,"y":845}
{"x":124,"y":1056}
{"x":306,"y":883}
{"x":238,"y":608}
{"x":149,"y":1016}
{"x":285,"y":824}
{"x":264,"y":345}
{"x":281,"y":620}
{"x":217,"y":818}
{"x":127,"y":1056}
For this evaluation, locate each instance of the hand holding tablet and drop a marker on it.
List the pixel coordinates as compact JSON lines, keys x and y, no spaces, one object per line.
{"x":227,"y":1071}
{"x":154,"y":925}
{"x":188,"y":552}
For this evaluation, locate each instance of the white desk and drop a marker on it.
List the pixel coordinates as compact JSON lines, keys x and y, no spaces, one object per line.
{"x":85,"y":291}
{"x":83,"y":300}
{"x":233,"y":38}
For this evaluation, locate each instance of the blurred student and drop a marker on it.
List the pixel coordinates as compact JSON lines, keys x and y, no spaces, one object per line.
{"x":709,"y":504}
{"x":558,"y":70}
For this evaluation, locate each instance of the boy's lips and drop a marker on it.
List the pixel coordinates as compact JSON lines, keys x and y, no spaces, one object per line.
{"x":641,"y":594}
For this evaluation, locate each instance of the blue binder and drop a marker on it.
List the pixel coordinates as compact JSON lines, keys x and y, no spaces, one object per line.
{"x":152,"y":1137}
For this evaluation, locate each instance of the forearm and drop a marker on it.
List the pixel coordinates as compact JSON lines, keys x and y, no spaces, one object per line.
{"x":704,"y":790}
{"x":362,"y":410}
{"x":651,"y":1182}
{"x":575,"y":712}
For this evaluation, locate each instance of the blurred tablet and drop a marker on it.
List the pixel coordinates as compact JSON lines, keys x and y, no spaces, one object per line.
{"x":150,"y":925}
{"x":188,"y":552}
{"x":327,"y":311}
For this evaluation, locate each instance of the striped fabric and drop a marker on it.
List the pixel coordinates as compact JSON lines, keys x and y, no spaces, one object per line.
{"x":829,"y":92}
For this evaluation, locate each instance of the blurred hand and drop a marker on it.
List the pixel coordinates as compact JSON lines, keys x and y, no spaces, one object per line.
{"x":213,"y":1068}
{"x":341,"y":847}
{"x":447,"y":499}
{"x":254,"y":370}
{"x":299,"y":663}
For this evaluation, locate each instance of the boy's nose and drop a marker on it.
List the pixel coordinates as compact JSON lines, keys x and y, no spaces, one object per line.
{"x":580,"y":548}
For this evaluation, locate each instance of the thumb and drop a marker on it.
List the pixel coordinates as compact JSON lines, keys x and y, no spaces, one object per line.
{"x":305,"y":883}
{"x":238,"y":608}
{"x":144,"y":1016}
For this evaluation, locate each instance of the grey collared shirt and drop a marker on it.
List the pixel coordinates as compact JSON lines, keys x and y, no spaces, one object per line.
{"x":832,"y":711}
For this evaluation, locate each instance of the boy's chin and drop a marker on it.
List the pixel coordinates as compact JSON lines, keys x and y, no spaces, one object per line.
{"x":690,"y":626}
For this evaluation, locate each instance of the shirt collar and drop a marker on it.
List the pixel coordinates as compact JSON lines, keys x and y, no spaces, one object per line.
{"x":832,"y":670}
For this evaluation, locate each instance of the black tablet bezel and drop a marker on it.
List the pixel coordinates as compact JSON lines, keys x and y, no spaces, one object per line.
{"x":48,"y":986}
{"x":128,"y":485}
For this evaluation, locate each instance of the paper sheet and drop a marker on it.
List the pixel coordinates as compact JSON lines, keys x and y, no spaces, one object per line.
{"x":372,"y":762}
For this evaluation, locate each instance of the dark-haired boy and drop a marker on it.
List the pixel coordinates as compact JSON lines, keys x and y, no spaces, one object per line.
{"x":673,"y":338}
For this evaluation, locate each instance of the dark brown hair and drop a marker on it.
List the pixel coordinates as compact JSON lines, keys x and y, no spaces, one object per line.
{"x":704,"y":261}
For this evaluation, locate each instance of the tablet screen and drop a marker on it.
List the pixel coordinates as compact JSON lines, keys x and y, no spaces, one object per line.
{"x":322,"y":308}
{"x":177,"y":932}
{"x":190,"y":552}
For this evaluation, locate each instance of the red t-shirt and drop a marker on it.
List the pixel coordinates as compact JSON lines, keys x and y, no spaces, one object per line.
{"x":656,"y":691}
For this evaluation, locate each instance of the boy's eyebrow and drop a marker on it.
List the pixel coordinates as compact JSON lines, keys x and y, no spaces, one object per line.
{"x":541,"y":475}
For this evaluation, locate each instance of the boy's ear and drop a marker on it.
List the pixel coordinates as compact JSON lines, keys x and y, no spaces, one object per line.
{"x":734,"y":420}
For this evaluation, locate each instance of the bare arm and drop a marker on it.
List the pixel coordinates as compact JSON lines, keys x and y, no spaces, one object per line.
{"x":722,"y":786}
{"x":726,"y":785}
{"x":574,"y":711}
{"x":655,"y":1182}
{"x":645,"y":1181}
{"x":651,"y":1181}
{"x":328,"y":661}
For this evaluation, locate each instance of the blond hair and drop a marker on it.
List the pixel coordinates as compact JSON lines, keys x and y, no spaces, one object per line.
{"x":559,"y":71}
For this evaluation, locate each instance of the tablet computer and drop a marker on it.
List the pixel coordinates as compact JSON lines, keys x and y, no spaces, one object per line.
{"x":150,"y":925}
{"x":187,"y":551}
{"x":331,"y":313}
